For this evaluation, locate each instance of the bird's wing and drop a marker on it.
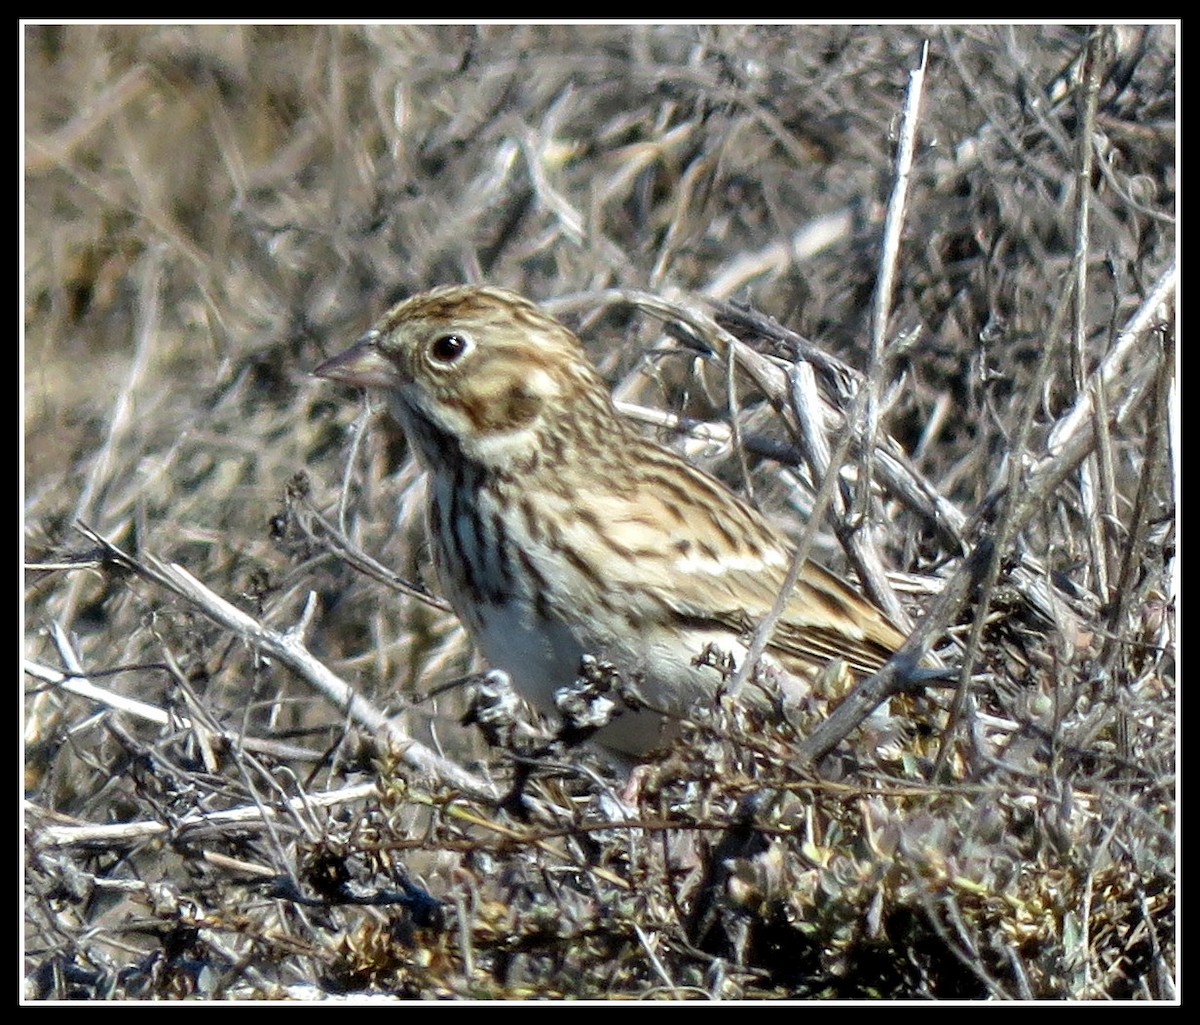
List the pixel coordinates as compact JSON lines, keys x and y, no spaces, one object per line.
{"x":691,"y":548}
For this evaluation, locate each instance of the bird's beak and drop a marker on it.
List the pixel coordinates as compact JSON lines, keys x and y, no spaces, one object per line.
{"x":363,"y":365}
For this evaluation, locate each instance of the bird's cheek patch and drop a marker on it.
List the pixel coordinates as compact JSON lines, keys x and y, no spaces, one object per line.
{"x":504,"y":413}
{"x":516,"y":400}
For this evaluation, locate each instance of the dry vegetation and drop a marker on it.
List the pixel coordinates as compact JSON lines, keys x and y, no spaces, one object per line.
{"x":210,"y":211}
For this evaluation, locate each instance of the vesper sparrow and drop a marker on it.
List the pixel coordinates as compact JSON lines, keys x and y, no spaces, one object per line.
{"x":558,"y":530}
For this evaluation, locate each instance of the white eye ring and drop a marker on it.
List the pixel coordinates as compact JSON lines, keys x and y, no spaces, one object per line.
{"x":447,"y":349}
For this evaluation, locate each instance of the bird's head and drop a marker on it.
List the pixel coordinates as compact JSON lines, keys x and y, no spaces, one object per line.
{"x":480,"y":371}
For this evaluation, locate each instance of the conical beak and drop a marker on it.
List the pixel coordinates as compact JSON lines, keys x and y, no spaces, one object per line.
{"x":363,"y":365}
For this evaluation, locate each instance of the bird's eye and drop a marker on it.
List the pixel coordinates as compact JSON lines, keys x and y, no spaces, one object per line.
{"x":447,"y":349}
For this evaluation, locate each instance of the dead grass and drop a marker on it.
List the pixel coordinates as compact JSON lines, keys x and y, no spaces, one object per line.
{"x":211,"y":210}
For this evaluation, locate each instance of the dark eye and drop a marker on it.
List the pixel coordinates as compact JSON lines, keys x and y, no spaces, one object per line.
{"x":448,"y":348}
